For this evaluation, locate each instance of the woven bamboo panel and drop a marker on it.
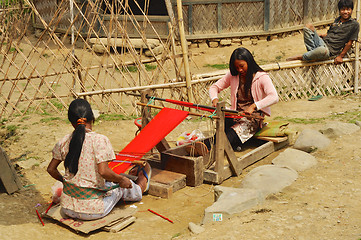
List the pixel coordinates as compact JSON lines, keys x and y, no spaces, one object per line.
{"x":322,"y":10}
{"x":204,"y":18}
{"x":285,"y":13}
{"x":46,"y":8}
{"x":303,"y":82}
{"x":43,"y":74}
{"x":242,"y":17}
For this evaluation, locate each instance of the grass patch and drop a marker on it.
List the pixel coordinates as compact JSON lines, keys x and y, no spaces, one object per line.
{"x":176,"y":235}
{"x":348,"y":116}
{"x":50,"y":119}
{"x":301,"y":120}
{"x":218,"y":66}
{"x":57,"y":104}
{"x":11,"y":129}
{"x":114,"y":117}
{"x":150,"y":67}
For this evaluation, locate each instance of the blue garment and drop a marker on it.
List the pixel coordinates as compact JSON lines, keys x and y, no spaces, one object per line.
{"x":316,"y":47}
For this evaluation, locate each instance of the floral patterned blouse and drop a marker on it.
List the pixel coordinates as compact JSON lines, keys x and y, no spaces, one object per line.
{"x":96,"y":149}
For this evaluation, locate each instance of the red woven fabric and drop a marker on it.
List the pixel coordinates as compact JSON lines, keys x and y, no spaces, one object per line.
{"x":157,"y":129}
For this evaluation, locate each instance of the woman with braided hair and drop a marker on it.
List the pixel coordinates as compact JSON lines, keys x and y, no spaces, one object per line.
{"x":91,"y":188}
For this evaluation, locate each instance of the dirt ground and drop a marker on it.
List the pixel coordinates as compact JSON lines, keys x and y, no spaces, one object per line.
{"x":323,"y":203}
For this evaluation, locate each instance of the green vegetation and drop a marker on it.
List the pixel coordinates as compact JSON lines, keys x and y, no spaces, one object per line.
{"x":348,"y":116}
{"x":11,"y":129}
{"x":12,"y":49}
{"x":50,"y":119}
{"x":57,"y":104}
{"x":301,"y":120}
{"x":114,"y":117}
{"x":150,"y":67}
{"x":176,"y":235}
{"x":218,"y":66}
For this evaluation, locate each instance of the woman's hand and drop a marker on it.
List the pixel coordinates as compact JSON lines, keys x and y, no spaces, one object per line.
{"x":214,"y":102}
{"x":251,"y":109}
{"x":111,"y":176}
{"x":125,"y":182}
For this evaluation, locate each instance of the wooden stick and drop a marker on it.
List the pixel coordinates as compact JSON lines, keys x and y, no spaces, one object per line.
{"x":184,"y":50}
{"x":135,"y":162}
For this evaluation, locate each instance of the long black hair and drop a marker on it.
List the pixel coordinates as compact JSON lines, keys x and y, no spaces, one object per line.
{"x":243,"y":54}
{"x":79,"y":112}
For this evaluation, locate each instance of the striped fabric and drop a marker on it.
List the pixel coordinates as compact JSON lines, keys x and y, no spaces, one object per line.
{"x":77,"y":192}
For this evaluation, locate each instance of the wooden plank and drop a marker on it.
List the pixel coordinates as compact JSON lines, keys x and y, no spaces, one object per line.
{"x":8,"y":174}
{"x":176,"y":180}
{"x":211,"y":176}
{"x":256,"y":154}
{"x":119,"y":225}
{"x":232,"y":159}
{"x":273,"y":139}
{"x":192,"y":167}
{"x":160,"y":190}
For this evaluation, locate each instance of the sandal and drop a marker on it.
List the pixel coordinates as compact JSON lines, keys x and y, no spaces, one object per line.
{"x":146,"y":175}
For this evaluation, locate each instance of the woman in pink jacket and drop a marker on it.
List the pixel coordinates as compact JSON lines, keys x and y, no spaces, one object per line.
{"x":252,"y":92}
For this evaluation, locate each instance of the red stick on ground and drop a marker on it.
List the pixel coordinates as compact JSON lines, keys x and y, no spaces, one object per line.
{"x":160,"y":215}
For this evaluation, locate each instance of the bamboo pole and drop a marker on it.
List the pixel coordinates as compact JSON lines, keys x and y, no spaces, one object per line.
{"x":357,"y":53}
{"x":184,"y":51}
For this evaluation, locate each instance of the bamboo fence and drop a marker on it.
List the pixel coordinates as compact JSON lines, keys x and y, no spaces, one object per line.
{"x":43,"y":72}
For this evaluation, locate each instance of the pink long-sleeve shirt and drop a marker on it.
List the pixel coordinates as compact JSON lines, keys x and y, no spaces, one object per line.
{"x":263,"y":91}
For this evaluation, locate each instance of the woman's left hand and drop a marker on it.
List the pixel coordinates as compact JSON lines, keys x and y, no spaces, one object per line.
{"x":250,"y":109}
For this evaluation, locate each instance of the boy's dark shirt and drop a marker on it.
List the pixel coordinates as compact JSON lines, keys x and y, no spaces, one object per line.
{"x":340,"y":33}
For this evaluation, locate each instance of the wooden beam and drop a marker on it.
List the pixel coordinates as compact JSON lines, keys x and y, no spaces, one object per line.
{"x":8,"y":174}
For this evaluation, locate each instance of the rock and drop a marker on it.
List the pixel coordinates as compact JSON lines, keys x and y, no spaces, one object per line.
{"x":296,"y":159}
{"x":193,"y":45}
{"x":119,"y":42}
{"x":358,"y":123}
{"x":157,"y":51}
{"x":225,"y":42}
{"x":99,"y":49}
{"x":29,"y":163}
{"x":310,"y":140}
{"x":336,"y":129}
{"x":196,"y":229}
{"x":269,"y":179}
{"x":230,"y":201}
{"x":213,"y":44}
{"x":203,"y":45}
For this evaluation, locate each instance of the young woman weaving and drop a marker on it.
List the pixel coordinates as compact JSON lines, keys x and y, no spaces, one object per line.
{"x":91,"y":188}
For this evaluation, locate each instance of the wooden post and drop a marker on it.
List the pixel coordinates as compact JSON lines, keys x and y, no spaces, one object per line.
{"x":357,"y":51}
{"x":184,"y":51}
{"x":170,"y":12}
{"x":220,"y":142}
{"x":305,"y":11}
{"x":266,"y":14}
{"x":174,"y":52}
{"x":219,"y":17}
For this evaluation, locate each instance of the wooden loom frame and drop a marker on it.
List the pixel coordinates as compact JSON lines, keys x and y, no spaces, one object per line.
{"x":222,"y":148}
